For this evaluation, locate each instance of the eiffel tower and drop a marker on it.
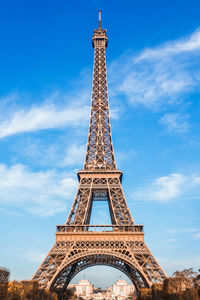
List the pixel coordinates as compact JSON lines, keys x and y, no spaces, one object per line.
{"x":80,"y":245}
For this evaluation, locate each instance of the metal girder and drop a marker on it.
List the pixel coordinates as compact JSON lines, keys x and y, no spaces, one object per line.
{"x":76,"y":251}
{"x":81,"y":209}
{"x":100,"y":155}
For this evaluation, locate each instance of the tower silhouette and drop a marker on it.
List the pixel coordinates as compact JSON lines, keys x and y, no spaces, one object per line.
{"x":80,"y":245}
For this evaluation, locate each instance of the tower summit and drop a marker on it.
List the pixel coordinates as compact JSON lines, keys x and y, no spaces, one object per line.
{"x":100,"y":153}
{"x":80,"y":245}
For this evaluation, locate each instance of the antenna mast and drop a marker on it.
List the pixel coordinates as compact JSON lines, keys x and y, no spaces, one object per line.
{"x":99,"y":19}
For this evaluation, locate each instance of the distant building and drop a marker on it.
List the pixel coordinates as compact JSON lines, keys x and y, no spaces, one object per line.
{"x":121,"y":289}
{"x":84,"y":289}
{"x":118,"y":291}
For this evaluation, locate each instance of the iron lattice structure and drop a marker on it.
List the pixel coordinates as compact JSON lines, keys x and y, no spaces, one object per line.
{"x":80,"y":245}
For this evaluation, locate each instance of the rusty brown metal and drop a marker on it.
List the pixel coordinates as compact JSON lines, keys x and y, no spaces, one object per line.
{"x":80,"y":245}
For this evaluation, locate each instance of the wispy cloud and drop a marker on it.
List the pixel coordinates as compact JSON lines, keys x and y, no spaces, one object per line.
{"x":184,"y":45}
{"x":34,"y":256}
{"x":182,"y":230}
{"x":43,"y":193}
{"x":127,"y":155}
{"x":170,"y":187}
{"x":55,"y":110}
{"x":175,"y":122}
{"x":169,"y":241}
{"x":160,"y":76}
{"x":7,"y":99}
{"x":43,"y":117}
{"x":196,"y":236}
{"x":57,"y":153}
{"x":74,"y":155}
{"x":170,"y":265}
{"x":192,"y":233}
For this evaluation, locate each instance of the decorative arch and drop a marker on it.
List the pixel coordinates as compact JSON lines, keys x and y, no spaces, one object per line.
{"x":71,"y":268}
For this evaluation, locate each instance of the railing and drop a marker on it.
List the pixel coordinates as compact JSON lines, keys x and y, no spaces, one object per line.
{"x":99,"y":228}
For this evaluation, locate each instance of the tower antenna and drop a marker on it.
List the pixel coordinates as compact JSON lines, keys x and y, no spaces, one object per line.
{"x":99,"y":19}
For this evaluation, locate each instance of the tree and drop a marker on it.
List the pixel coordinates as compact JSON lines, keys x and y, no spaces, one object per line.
{"x":187,"y":273}
{"x":28,"y":289}
{"x":197,"y":280}
{"x":14,"y":291}
{"x":4,"y":278}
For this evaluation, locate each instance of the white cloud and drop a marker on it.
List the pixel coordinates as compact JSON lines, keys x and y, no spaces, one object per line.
{"x":169,"y":241}
{"x":58,"y":110}
{"x":7,"y":99}
{"x":170,"y":187}
{"x":158,"y":77}
{"x":193,"y":233}
{"x":170,"y":265}
{"x":123,"y":156}
{"x":43,"y":117}
{"x":189,"y":44}
{"x":43,"y":193}
{"x":175,"y":122}
{"x":61,"y":152}
{"x":196,"y":236}
{"x":182,"y":230}
{"x":115,"y":112}
{"x":33,"y":256}
{"x":74,"y":155}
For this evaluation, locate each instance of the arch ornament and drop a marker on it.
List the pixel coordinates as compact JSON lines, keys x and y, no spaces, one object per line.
{"x":123,"y":250}
{"x":79,"y":262}
{"x":132,"y":256}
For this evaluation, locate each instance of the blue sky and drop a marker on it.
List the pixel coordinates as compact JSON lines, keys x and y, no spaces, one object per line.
{"x":46,"y":60}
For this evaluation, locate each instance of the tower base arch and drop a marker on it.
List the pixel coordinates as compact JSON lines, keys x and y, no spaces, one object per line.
{"x":74,"y":251}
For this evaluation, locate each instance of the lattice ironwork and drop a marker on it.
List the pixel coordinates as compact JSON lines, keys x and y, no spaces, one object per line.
{"x":75,"y":251}
{"x":108,"y":187}
{"x":100,"y":155}
{"x":80,"y":245}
